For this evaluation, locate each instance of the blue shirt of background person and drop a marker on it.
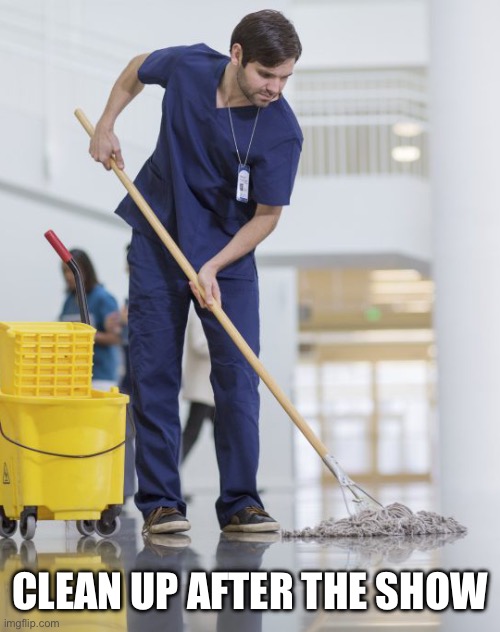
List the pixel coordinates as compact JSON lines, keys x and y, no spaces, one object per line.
{"x":101,"y":305}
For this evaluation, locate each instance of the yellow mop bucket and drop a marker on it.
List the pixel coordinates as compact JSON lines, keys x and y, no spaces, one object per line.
{"x":46,"y":359}
{"x":62,"y":458}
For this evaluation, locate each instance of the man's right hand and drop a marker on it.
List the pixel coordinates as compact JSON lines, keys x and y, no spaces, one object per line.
{"x":105,"y":145}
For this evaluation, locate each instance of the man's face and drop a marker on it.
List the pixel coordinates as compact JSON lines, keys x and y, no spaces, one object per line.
{"x":261,"y":84}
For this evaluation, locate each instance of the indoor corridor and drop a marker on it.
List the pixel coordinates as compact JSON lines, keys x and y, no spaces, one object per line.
{"x":378,"y":304}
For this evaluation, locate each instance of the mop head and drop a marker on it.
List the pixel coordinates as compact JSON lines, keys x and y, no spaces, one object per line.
{"x":393,"y":520}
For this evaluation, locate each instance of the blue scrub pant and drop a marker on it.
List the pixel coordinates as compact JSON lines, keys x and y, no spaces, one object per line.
{"x":159,"y":301}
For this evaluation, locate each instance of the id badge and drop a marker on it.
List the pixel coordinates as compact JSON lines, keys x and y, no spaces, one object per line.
{"x":243,"y":185}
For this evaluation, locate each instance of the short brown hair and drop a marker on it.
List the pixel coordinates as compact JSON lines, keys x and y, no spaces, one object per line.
{"x":267,"y":37}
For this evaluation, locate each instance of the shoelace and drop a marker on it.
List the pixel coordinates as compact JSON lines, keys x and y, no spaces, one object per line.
{"x":257,"y":510}
{"x":157,"y":513}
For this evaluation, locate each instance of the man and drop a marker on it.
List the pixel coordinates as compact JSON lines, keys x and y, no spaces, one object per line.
{"x":223,"y":168}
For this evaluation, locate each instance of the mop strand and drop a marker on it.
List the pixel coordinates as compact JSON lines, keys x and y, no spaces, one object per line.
{"x":394,"y":520}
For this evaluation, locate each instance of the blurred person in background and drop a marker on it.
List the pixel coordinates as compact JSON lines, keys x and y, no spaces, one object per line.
{"x":103,"y":308}
{"x":119,"y":322}
{"x":196,"y":387}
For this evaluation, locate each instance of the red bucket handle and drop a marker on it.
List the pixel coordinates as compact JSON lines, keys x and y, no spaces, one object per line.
{"x":69,"y":260}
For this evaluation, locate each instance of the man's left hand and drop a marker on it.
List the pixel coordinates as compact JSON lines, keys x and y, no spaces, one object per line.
{"x":207,"y":280}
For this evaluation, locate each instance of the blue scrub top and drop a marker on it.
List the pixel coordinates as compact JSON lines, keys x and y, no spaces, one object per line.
{"x":190,"y":179}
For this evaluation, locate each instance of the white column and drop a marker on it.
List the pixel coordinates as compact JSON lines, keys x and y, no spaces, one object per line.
{"x":465,"y":97}
{"x":466,"y":199}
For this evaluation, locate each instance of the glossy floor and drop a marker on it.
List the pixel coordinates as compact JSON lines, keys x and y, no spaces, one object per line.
{"x":193,"y":558}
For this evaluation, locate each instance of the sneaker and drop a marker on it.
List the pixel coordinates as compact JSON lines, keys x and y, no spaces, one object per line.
{"x":166,"y":520}
{"x":166,"y":544}
{"x":251,"y":520}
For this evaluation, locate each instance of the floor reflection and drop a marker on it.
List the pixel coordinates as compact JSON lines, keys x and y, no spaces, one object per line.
{"x":86,"y":555}
{"x":376,"y":552}
{"x":243,"y":552}
{"x":58,"y":546}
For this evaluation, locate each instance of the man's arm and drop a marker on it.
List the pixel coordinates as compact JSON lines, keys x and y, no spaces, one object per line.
{"x":104,"y":144}
{"x":246,"y":239}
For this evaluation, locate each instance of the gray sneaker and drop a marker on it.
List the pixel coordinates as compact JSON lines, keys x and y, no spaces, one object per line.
{"x":166,"y":520}
{"x":251,"y":520}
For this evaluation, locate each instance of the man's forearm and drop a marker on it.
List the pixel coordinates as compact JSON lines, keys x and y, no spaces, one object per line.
{"x":247,"y":238}
{"x":104,"y":144}
{"x":125,"y":89}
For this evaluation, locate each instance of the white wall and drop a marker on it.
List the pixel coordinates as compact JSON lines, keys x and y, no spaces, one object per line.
{"x":57,"y":55}
{"x":354,"y":220}
{"x":31,"y":283}
{"x":363,"y":33}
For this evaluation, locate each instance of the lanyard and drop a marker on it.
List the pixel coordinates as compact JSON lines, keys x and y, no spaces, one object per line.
{"x":234,"y":136}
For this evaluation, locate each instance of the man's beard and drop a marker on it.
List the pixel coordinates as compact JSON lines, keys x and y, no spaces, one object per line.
{"x":254,"y":98}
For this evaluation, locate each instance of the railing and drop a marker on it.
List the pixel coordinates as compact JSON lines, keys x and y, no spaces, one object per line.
{"x":348,"y":118}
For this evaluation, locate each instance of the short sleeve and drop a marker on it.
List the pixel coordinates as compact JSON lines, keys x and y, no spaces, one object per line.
{"x":274,"y":175}
{"x":107,"y":305}
{"x":158,"y":66}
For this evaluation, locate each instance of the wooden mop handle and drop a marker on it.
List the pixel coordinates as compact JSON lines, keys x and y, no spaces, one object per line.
{"x":216,"y":309}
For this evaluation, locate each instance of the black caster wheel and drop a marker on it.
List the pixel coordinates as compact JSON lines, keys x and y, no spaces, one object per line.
{"x":85,"y":527}
{"x":105,"y":529}
{"x":27,"y":527}
{"x":7,"y":527}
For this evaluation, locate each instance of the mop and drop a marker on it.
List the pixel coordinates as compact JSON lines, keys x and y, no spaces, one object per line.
{"x":394,"y":520}
{"x":370,"y":517}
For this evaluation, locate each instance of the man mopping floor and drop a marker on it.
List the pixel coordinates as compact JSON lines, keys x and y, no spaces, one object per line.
{"x":223,"y":168}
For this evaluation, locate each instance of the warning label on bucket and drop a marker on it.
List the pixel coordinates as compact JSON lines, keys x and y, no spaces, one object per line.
{"x":6,"y":477}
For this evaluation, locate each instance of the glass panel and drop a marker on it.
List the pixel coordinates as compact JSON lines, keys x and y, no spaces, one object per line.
{"x":348,"y":440}
{"x":404,"y":415}
{"x":337,"y":401}
{"x":308,"y":464}
{"x":346,"y":406}
{"x":306,"y":389}
{"x":346,"y":388}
